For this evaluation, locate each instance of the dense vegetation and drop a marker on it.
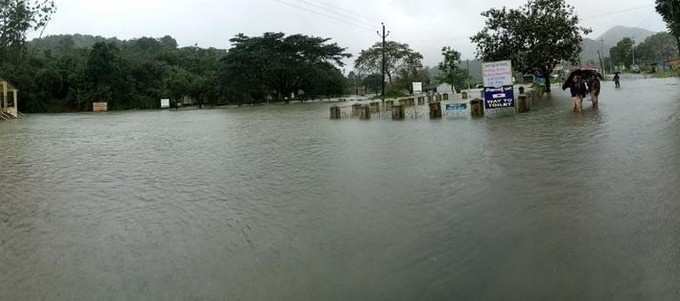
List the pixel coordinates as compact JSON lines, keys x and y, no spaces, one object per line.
{"x":403,"y":66}
{"x":280,"y":67}
{"x":657,"y":49}
{"x":670,"y":11}
{"x":537,"y":36}
{"x":68,"y":73}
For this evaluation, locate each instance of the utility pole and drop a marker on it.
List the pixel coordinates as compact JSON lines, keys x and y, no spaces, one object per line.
{"x":599,"y":55}
{"x":602,"y":54}
{"x":384,"y":36}
{"x":467,"y":78}
{"x":633,"y":50}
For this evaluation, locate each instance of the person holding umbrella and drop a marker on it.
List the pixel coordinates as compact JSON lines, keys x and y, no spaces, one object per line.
{"x":617,"y":80}
{"x":594,"y":86}
{"x":577,"y":86}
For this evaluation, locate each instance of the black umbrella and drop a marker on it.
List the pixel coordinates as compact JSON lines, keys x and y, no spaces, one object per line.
{"x":583,"y":73}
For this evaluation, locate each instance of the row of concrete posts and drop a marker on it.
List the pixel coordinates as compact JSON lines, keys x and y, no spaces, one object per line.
{"x":364,"y":111}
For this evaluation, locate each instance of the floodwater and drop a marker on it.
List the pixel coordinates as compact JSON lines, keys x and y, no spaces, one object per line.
{"x":280,"y":203}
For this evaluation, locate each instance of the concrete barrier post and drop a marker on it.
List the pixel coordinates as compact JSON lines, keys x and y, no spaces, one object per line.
{"x":398,"y":112}
{"x":375,"y":107}
{"x":477,"y":108}
{"x":523,"y":104}
{"x":356,"y":110}
{"x":365,"y":112}
{"x":435,"y":110}
{"x":388,"y":105}
{"x":335,"y":113}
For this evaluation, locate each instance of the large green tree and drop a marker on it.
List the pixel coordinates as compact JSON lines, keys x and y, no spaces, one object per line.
{"x":399,"y":58}
{"x":670,"y":11}
{"x":279,"y":66}
{"x":17,"y":18}
{"x":103,"y":72}
{"x":450,"y":72}
{"x":622,"y":53}
{"x":69,"y":72}
{"x":660,"y":47}
{"x":537,"y":36}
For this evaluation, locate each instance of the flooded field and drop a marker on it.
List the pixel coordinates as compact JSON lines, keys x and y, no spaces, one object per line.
{"x":280,"y":203}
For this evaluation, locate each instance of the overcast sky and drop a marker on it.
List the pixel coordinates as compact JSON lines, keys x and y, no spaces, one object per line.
{"x":426,"y":25}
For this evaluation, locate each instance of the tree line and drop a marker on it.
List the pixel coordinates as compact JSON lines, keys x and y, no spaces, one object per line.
{"x":59,"y":74}
{"x":657,"y":49}
{"x":69,"y":72}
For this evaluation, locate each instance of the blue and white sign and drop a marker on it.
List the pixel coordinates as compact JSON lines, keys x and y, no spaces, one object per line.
{"x":499,"y":98}
{"x":456,"y":108}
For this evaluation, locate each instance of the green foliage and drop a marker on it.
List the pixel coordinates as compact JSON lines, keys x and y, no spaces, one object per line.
{"x":278,"y":66}
{"x":670,"y":11}
{"x":399,"y":58}
{"x":394,"y":92}
{"x":450,"y":73}
{"x":17,"y":18}
{"x":408,"y":76}
{"x":537,"y":36}
{"x":69,"y":72}
{"x":60,"y":44}
{"x":373,"y":83}
{"x":58,"y":75}
{"x":660,"y":47}
{"x":622,"y":53}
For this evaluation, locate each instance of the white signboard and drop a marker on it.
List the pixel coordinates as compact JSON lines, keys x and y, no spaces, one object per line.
{"x":165,"y":103}
{"x":497,"y":74}
{"x":417,"y":88}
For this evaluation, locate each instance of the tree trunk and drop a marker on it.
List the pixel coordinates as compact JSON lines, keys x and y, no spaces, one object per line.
{"x":547,"y":81}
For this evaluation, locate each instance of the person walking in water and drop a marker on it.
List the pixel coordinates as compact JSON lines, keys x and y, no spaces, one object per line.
{"x":578,"y":89}
{"x":594,"y":85}
{"x":617,"y":80}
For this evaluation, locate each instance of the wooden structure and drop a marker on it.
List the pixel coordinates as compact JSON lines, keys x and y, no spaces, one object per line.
{"x":9,"y":101}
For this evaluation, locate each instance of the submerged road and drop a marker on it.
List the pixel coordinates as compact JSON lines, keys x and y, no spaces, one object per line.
{"x":280,"y":203}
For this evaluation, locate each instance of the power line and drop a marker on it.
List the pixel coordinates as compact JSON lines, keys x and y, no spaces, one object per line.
{"x":618,"y":12}
{"x":327,"y":15}
{"x":340,"y":11}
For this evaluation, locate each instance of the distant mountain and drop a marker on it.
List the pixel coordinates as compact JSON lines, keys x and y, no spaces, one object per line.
{"x":609,"y":39}
{"x":590,"y":49}
{"x":618,"y":33}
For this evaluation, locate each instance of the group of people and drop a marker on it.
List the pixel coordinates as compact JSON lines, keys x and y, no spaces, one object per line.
{"x":582,"y":85}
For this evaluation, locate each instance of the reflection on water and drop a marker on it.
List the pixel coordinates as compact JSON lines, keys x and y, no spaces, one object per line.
{"x":279,"y":203}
